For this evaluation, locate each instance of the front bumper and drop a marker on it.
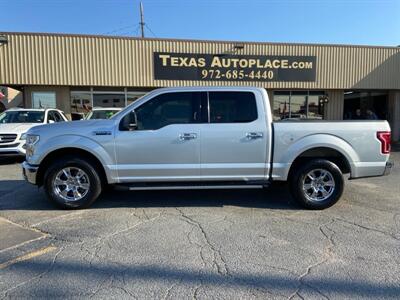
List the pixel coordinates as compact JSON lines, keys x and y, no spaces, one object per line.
{"x":29,"y":172}
{"x":15,"y":149}
{"x":388,"y":168}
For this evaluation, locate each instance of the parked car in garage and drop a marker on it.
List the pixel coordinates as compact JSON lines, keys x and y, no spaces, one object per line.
{"x":15,"y":122}
{"x":102,"y":113}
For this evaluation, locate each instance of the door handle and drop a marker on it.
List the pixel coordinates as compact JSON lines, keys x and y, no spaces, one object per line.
{"x":254,"y":135}
{"x":187,"y":136}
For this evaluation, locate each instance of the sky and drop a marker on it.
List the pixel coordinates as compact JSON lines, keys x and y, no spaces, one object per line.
{"x":364,"y":22}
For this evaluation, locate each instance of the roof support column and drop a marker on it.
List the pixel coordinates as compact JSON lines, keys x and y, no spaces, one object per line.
{"x":394,"y":114}
{"x":334,"y":107}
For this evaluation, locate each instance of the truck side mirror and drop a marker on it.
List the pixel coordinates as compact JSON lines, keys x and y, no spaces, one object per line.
{"x":129,"y":122}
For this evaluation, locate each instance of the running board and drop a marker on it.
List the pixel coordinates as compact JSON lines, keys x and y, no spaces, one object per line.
{"x":194,"y":187}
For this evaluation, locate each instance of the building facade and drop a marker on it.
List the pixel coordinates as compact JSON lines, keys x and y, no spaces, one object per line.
{"x":77,"y":72}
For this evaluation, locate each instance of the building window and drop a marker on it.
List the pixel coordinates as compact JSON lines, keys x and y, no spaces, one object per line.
{"x":81,"y":102}
{"x":365,"y":105}
{"x":298,"y":105}
{"x":43,"y":100}
{"x":133,"y":96}
{"x":108,"y":100}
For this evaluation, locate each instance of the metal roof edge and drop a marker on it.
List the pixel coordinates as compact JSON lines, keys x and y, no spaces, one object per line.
{"x":195,"y":40}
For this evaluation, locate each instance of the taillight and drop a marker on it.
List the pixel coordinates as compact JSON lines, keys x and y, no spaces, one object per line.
{"x":384,"y":138}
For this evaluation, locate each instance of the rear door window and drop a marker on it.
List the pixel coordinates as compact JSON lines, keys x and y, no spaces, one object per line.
{"x":232,"y":107}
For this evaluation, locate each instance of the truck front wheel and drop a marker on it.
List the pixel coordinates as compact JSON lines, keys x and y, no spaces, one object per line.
{"x":317,"y":184}
{"x":72,"y":183}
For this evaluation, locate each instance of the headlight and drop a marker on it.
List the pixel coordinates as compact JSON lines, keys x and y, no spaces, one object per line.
{"x":32,"y":139}
{"x":23,"y":136}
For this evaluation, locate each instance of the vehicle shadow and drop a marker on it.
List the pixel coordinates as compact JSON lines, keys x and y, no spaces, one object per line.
{"x":18,"y":195}
{"x":275,"y":197}
{"x":11,"y":160}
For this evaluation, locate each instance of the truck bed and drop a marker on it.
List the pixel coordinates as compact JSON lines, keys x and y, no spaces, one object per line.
{"x":356,"y":140}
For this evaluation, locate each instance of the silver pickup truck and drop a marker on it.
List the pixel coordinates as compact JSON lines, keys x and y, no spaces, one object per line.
{"x":203,"y":137}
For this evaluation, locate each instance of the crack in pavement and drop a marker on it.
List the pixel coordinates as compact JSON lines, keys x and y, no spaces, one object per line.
{"x":168,"y":292}
{"x":192,"y":242}
{"x":112,"y":279}
{"x":221,"y":266}
{"x":389,"y":234}
{"x":102,"y":239}
{"x":196,"y":291}
{"x":327,"y":256}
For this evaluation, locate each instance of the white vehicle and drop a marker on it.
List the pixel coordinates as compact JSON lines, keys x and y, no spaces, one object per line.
{"x":102,"y":113}
{"x":204,"y":137}
{"x":15,"y":122}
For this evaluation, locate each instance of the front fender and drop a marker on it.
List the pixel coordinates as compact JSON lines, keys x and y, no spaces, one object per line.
{"x":310,"y":142}
{"x":103,"y":152}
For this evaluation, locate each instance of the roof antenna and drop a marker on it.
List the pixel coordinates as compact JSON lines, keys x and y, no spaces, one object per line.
{"x":141,"y":19}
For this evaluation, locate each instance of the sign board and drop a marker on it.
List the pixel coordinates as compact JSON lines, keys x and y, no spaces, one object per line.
{"x":231,"y":67}
{"x":44,"y":100}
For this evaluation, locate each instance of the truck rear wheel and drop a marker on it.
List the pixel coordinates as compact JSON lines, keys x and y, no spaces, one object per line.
{"x":72,"y":183}
{"x":317,"y":184}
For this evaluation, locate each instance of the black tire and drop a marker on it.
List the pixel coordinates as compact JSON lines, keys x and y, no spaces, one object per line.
{"x":298,"y":179}
{"x":95,"y":184}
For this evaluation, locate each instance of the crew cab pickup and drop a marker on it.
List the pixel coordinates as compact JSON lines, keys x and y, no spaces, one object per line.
{"x":203,"y":137}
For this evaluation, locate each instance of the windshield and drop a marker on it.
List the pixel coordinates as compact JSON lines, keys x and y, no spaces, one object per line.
{"x":25,"y":116}
{"x":101,"y":114}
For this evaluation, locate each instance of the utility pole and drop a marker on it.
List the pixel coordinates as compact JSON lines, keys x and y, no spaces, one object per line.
{"x":141,"y":19}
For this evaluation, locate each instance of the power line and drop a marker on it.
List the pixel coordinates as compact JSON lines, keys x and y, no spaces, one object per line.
{"x":150,"y":30}
{"x":119,"y":29}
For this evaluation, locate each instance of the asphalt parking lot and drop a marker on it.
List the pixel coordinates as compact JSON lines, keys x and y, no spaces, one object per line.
{"x":201,"y":244}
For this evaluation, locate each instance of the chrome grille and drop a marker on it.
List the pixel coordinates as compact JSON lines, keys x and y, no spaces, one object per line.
{"x":7,"y":138}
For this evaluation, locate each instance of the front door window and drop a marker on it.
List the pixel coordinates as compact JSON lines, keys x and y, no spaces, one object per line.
{"x":167,"y":109}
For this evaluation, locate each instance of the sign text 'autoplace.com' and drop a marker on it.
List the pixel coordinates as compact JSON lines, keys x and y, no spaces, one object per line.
{"x":228,"y":67}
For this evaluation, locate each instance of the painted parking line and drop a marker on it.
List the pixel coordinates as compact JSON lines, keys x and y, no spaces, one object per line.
{"x":27,"y":256}
{"x":13,"y":235}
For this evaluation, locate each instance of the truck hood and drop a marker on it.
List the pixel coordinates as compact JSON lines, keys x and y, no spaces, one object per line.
{"x":83,"y":127}
{"x":16,"y":128}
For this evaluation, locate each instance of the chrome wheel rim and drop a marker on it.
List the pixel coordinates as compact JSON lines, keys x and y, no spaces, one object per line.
{"x":71,"y":184}
{"x":318,"y":185}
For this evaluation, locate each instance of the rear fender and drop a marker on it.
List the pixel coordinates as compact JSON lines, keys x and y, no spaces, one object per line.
{"x":310,"y":142}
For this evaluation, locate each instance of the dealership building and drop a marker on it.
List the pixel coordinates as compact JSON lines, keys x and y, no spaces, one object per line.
{"x":77,"y":72}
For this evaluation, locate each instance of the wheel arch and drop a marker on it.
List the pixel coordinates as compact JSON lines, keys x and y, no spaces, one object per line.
{"x":328,"y":153}
{"x":73,"y":152}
